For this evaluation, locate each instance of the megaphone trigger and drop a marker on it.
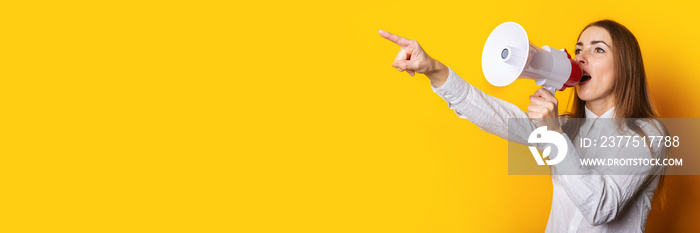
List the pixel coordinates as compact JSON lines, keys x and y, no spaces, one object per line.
{"x":551,"y":90}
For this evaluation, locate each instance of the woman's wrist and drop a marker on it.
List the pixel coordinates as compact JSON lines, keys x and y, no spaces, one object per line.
{"x":437,"y":73}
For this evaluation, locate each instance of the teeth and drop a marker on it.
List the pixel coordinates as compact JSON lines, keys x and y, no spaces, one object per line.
{"x":585,"y":77}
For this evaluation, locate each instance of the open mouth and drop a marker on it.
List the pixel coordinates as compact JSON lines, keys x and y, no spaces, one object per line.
{"x":585,"y":78}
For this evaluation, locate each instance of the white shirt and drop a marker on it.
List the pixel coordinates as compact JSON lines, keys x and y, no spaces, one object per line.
{"x":580,"y":203}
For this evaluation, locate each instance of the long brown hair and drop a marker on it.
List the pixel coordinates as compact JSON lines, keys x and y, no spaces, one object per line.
{"x":630,"y":92}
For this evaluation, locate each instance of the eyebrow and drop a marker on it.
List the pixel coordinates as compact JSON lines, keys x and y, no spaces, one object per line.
{"x":593,"y":42}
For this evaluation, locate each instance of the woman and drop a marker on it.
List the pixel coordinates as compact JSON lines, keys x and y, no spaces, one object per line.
{"x":614,"y":86}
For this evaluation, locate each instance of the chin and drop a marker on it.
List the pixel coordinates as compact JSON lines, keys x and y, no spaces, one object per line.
{"x":589,"y":93}
{"x":584,"y":94}
{"x":584,"y":97}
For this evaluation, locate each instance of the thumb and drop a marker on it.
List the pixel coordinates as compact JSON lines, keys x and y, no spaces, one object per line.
{"x":407,"y":65}
{"x":544,"y":93}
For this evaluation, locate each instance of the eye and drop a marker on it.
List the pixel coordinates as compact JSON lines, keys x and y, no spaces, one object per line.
{"x":599,"y":50}
{"x":577,"y":51}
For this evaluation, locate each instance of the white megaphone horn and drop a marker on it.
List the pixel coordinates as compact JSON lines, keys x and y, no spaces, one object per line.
{"x":508,"y":55}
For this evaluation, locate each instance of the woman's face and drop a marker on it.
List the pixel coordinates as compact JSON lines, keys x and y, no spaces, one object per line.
{"x":594,"y":54}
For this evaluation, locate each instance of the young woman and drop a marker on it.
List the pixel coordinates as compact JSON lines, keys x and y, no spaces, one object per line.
{"x":614,"y":86}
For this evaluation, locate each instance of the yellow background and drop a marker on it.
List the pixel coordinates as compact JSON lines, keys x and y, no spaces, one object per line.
{"x":286,"y":116}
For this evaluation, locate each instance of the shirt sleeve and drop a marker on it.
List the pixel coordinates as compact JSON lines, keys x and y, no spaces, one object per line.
{"x":487,"y":112}
{"x":602,"y":197}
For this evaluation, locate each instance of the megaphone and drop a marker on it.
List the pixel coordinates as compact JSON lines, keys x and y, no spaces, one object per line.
{"x":509,"y":55}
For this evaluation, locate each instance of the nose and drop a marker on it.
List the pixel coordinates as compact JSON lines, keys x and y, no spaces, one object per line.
{"x":580,"y":59}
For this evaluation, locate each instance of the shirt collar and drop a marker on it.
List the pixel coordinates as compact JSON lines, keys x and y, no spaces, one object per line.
{"x":608,"y":114}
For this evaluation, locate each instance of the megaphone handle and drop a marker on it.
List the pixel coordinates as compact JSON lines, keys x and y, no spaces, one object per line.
{"x":551,"y":90}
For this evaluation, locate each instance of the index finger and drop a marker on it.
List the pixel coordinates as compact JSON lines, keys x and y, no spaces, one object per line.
{"x":403,"y":42}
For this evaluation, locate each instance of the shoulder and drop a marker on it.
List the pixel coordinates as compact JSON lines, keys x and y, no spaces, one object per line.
{"x":651,"y":126}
